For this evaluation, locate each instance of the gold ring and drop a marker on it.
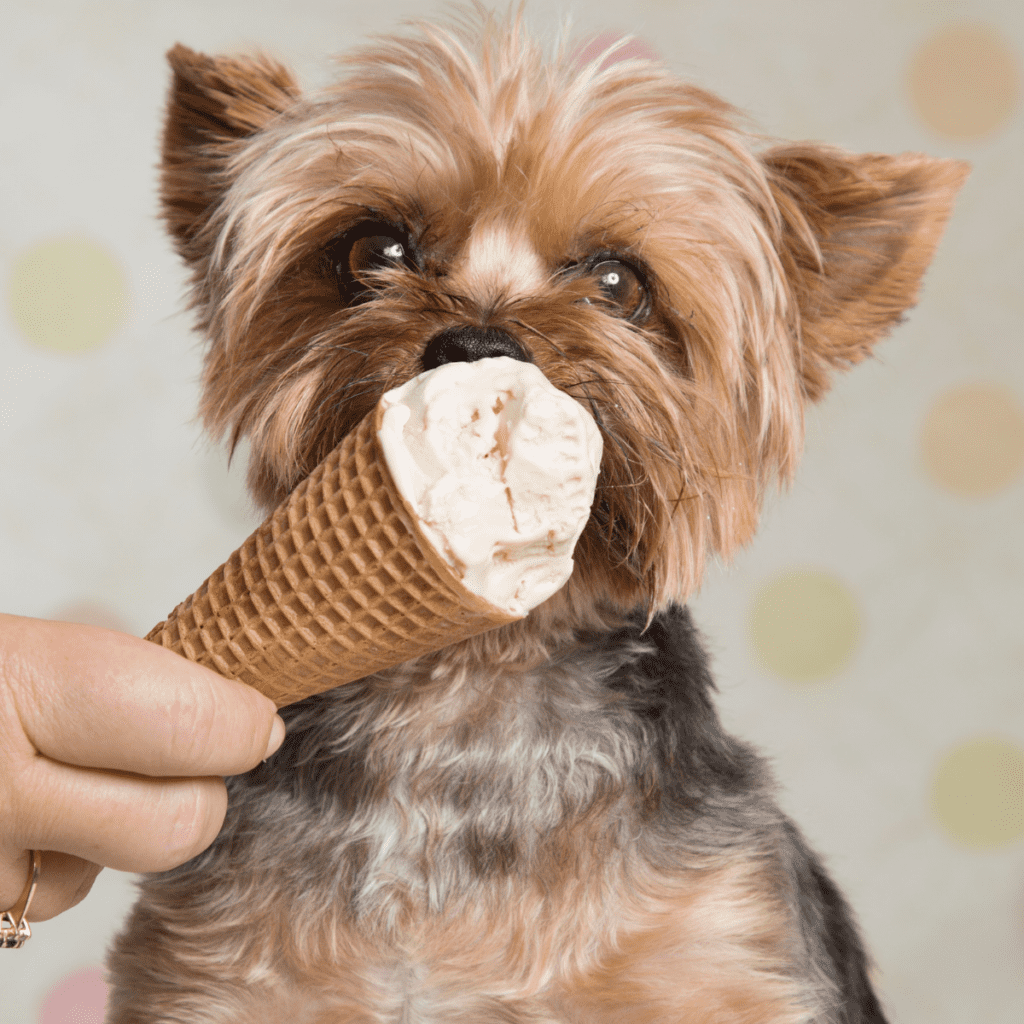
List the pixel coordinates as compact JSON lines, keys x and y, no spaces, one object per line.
{"x":15,"y":931}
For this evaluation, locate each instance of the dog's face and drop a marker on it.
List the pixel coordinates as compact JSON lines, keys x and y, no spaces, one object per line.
{"x":456,"y":196}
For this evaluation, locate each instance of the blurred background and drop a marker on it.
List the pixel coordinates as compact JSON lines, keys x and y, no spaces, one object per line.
{"x":870,"y":640}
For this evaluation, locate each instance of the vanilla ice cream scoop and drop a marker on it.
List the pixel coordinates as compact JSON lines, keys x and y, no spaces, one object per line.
{"x":499,"y":468}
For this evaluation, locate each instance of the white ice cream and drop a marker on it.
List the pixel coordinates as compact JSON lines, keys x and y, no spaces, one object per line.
{"x":500,"y":467}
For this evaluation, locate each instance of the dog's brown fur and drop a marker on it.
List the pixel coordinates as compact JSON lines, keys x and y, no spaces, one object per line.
{"x":546,"y":823}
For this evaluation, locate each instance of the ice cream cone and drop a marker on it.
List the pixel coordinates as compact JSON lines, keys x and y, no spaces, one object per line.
{"x":339,"y":582}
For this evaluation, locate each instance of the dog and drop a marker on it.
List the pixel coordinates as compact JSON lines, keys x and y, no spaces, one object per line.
{"x":547,"y":823}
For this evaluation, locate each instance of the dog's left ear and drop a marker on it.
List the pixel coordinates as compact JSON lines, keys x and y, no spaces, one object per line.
{"x":214,"y":103}
{"x":858,"y":235}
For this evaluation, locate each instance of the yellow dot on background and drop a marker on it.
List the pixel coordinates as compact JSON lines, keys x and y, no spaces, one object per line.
{"x":978,"y":793}
{"x":805,"y":626}
{"x":965,"y":81}
{"x":67,"y":295}
{"x":972,"y":440}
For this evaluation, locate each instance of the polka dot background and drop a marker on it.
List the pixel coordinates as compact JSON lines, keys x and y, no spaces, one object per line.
{"x":978,"y":796}
{"x":805,"y":626}
{"x":965,"y":81}
{"x":972,"y":440}
{"x":869,"y":639}
{"x":67,"y":295}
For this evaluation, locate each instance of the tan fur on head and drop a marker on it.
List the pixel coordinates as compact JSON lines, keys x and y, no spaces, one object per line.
{"x":765,"y":270}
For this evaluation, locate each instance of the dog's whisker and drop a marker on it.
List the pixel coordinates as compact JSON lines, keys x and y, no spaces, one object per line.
{"x":339,"y":346}
{"x":599,"y":380}
{"x":546,"y":338}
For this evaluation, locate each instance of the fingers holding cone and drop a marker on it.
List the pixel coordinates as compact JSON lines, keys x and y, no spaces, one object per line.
{"x":114,"y":755}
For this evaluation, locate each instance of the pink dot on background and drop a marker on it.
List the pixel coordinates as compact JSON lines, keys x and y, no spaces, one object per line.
{"x":593,"y":48}
{"x":81,"y":998}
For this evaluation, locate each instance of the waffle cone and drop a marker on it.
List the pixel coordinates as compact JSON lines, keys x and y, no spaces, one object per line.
{"x":336,"y":584}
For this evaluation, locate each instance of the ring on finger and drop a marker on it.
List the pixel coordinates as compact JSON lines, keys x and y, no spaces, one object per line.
{"x":15,"y":930}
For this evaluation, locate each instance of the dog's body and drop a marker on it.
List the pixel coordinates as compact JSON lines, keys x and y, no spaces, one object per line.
{"x":546,"y":823}
{"x":574,"y":842}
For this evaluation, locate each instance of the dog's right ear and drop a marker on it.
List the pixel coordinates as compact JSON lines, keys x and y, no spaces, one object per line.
{"x":214,"y":104}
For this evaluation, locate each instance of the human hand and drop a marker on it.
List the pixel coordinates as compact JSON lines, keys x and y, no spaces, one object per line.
{"x":112,"y":752}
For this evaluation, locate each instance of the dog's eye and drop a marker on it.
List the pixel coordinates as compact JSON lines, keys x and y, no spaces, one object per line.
{"x":621,"y":284}
{"x":368,"y":247}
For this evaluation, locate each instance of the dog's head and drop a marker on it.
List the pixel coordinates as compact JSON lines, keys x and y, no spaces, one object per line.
{"x":456,"y":195}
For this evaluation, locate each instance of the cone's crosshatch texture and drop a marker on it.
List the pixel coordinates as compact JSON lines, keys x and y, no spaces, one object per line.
{"x":336,"y":584}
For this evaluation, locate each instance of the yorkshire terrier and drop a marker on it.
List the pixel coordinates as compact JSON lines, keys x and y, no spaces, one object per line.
{"x":546,"y":823}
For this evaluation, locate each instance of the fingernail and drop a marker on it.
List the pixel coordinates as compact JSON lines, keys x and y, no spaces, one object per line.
{"x":277,"y":731}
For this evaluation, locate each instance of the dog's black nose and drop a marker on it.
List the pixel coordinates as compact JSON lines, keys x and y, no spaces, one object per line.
{"x":468,"y":344}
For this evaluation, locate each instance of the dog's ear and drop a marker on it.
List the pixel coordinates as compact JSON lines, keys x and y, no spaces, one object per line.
{"x":858,"y":233}
{"x":214,"y":103}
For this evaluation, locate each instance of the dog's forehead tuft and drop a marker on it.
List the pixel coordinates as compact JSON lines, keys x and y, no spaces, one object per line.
{"x":499,"y":258}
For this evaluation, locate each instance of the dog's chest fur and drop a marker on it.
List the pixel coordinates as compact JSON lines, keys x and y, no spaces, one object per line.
{"x":427,"y":786}
{"x":447,"y":828}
